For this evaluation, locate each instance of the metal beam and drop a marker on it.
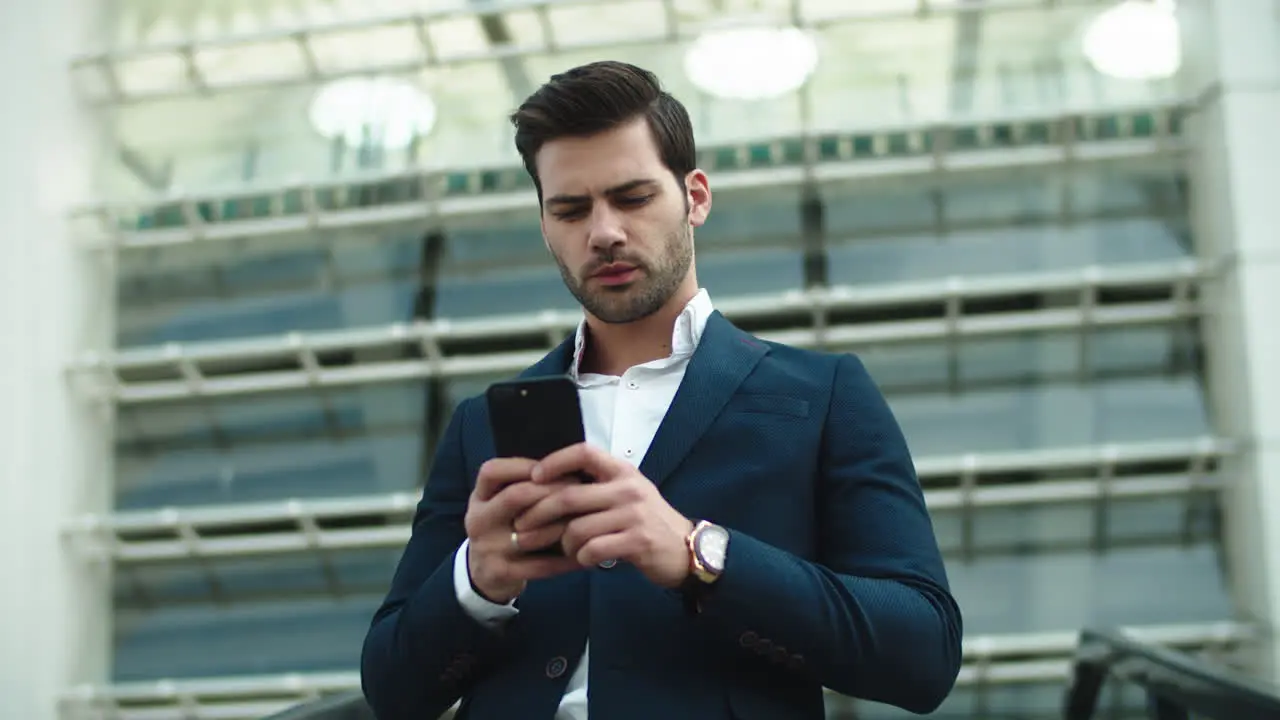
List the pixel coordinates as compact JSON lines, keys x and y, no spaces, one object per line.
{"x":839,"y":317}
{"x":955,"y":484}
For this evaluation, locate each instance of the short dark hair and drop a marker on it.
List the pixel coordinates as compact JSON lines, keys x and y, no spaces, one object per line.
{"x":597,"y":97}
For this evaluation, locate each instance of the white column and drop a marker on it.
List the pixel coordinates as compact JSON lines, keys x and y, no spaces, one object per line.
{"x":1233,"y":57}
{"x":55,"y":613}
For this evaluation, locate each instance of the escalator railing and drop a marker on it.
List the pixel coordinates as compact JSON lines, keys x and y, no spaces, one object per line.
{"x":344,"y":706}
{"x":1177,"y":685}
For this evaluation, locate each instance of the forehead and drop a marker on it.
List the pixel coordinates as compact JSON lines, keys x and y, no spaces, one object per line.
{"x":589,"y":165}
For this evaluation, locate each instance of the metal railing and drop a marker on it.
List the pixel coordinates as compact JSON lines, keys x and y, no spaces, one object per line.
{"x":1178,"y":686}
{"x":964,"y":484}
{"x":824,"y":318}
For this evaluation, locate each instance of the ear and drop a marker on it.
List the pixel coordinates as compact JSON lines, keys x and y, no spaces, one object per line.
{"x":698,"y":197}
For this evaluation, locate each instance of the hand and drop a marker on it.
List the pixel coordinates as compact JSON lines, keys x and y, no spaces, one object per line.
{"x":621,"y":516}
{"x":498,"y":569}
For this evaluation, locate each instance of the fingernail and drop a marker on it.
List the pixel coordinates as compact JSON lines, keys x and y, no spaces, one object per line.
{"x":536,"y":474}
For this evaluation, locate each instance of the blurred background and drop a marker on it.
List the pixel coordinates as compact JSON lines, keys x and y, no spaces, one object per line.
{"x":257,"y":250}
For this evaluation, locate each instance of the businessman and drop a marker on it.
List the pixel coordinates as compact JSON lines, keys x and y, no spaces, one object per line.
{"x":754,"y":531}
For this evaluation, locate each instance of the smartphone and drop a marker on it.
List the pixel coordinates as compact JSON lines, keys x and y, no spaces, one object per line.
{"x":534,"y":417}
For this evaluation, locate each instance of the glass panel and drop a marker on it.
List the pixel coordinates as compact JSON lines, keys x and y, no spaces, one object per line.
{"x":248,"y":579}
{"x":1036,"y":569}
{"x":215,"y":291}
{"x":891,"y":234}
{"x":365,"y":440}
{"x":281,"y":637}
{"x":1052,"y":415}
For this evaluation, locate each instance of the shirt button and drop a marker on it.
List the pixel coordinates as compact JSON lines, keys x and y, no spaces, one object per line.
{"x":556,"y":667}
{"x":632,"y":385}
{"x":628,"y":452}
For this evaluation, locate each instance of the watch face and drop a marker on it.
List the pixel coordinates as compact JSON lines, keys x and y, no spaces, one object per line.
{"x":713,"y":543}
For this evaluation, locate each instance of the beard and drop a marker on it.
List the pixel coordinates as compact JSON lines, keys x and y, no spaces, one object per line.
{"x":658,"y":280}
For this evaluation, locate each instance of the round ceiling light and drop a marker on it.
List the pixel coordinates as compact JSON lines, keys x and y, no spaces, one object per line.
{"x":1135,"y":40}
{"x":385,"y":112}
{"x":751,"y":63}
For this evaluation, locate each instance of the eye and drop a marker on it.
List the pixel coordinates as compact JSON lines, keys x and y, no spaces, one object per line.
{"x":571,"y":214}
{"x":634,"y":200}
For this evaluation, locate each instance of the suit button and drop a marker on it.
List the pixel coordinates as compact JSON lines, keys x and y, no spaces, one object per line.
{"x":556,"y":667}
{"x":608,"y":564}
{"x":796,"y":663}
{"x":748,"y":639}
{"x":779,"y":654}
{"x":764,"y":647}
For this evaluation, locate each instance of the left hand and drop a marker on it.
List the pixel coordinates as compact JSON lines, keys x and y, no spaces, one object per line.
{"x":620,"y":516}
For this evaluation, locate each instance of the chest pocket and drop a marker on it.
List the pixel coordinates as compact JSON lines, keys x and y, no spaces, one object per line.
{"x":768,"y":405}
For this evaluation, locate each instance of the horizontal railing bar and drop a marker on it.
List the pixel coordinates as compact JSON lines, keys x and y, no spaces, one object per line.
{"x":980,"y":475}
{"x":184,"y":370}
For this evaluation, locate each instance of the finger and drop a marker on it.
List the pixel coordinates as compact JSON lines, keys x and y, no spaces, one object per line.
{"x":582,"y":457}
{"x":511,"y":501}
{"x":565,"y":503}
{"x":613,"y":546}
{"x":536,"y":539}
{"x":497,"y":473}
{"x":581,"y":530}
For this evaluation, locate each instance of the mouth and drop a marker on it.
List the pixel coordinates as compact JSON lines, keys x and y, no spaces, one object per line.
{"x":616,"y":274}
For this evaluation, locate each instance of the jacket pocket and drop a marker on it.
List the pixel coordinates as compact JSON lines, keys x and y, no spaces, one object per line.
{"x":768,"y":405}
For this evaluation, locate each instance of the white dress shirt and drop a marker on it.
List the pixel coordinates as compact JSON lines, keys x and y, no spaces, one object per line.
{"x":620,"y":414}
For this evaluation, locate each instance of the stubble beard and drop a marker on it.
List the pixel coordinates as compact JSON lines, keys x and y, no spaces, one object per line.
{"x":658,"y":282}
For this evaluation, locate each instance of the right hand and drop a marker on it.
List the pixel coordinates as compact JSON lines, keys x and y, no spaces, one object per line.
{"x":498,"y":570}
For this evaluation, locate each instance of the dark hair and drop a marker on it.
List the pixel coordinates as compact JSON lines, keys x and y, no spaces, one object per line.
{"x":597,"y":97}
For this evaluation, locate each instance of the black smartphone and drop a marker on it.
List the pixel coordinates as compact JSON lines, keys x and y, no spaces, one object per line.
{"x":534,"y":417}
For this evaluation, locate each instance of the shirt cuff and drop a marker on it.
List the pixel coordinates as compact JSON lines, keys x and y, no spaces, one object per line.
{"x":489,"y":614}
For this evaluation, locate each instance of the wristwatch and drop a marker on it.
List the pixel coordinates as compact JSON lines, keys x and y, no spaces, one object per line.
{"x":708,"y":545}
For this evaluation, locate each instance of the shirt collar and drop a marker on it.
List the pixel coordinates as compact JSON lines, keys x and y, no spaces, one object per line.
{"x":685,"y":336}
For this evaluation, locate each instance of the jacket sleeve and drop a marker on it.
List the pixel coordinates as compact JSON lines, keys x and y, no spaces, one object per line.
{"x":873,"y":617}
{"x":423,"y":649}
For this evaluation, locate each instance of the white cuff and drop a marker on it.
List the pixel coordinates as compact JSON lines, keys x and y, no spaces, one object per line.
{"x":488,"y":614}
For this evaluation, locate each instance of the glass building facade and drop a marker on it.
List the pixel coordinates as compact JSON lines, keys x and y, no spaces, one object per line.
{"x":1008,"y":238}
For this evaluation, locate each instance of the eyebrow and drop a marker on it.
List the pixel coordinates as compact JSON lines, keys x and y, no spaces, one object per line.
{"x":622,"y":189}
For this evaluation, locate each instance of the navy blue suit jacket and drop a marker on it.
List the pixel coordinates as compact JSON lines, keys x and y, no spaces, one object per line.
{"x":833,"y":576}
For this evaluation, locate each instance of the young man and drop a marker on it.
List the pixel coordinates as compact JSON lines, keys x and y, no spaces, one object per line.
{"x":755,"y":530}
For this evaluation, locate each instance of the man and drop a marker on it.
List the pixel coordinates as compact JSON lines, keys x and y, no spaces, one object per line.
{"x":754,"y":531}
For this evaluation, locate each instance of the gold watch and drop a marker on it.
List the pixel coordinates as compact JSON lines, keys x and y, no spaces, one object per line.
{"x":708,"y":545}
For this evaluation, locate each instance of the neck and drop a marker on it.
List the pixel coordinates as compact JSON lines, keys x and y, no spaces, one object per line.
{"x":612,"y":349}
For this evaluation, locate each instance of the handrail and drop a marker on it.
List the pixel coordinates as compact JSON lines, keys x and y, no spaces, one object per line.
{"x":343,"y":706}
{"x":1178,"y":685}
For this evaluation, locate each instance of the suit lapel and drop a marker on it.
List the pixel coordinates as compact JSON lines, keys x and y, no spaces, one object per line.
{"x":724,"y":358}
{"x":555,"y":362}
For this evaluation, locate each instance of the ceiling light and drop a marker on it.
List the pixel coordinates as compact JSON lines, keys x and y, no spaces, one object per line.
{"x":751,"y":63}
{"x":383,"y":112}
{"x":1135,"y":40}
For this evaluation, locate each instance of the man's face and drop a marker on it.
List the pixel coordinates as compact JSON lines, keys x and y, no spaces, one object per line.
{"x":617,"y":221}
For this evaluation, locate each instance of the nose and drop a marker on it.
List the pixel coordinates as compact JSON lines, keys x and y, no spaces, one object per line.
{"x":605,"y":230}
